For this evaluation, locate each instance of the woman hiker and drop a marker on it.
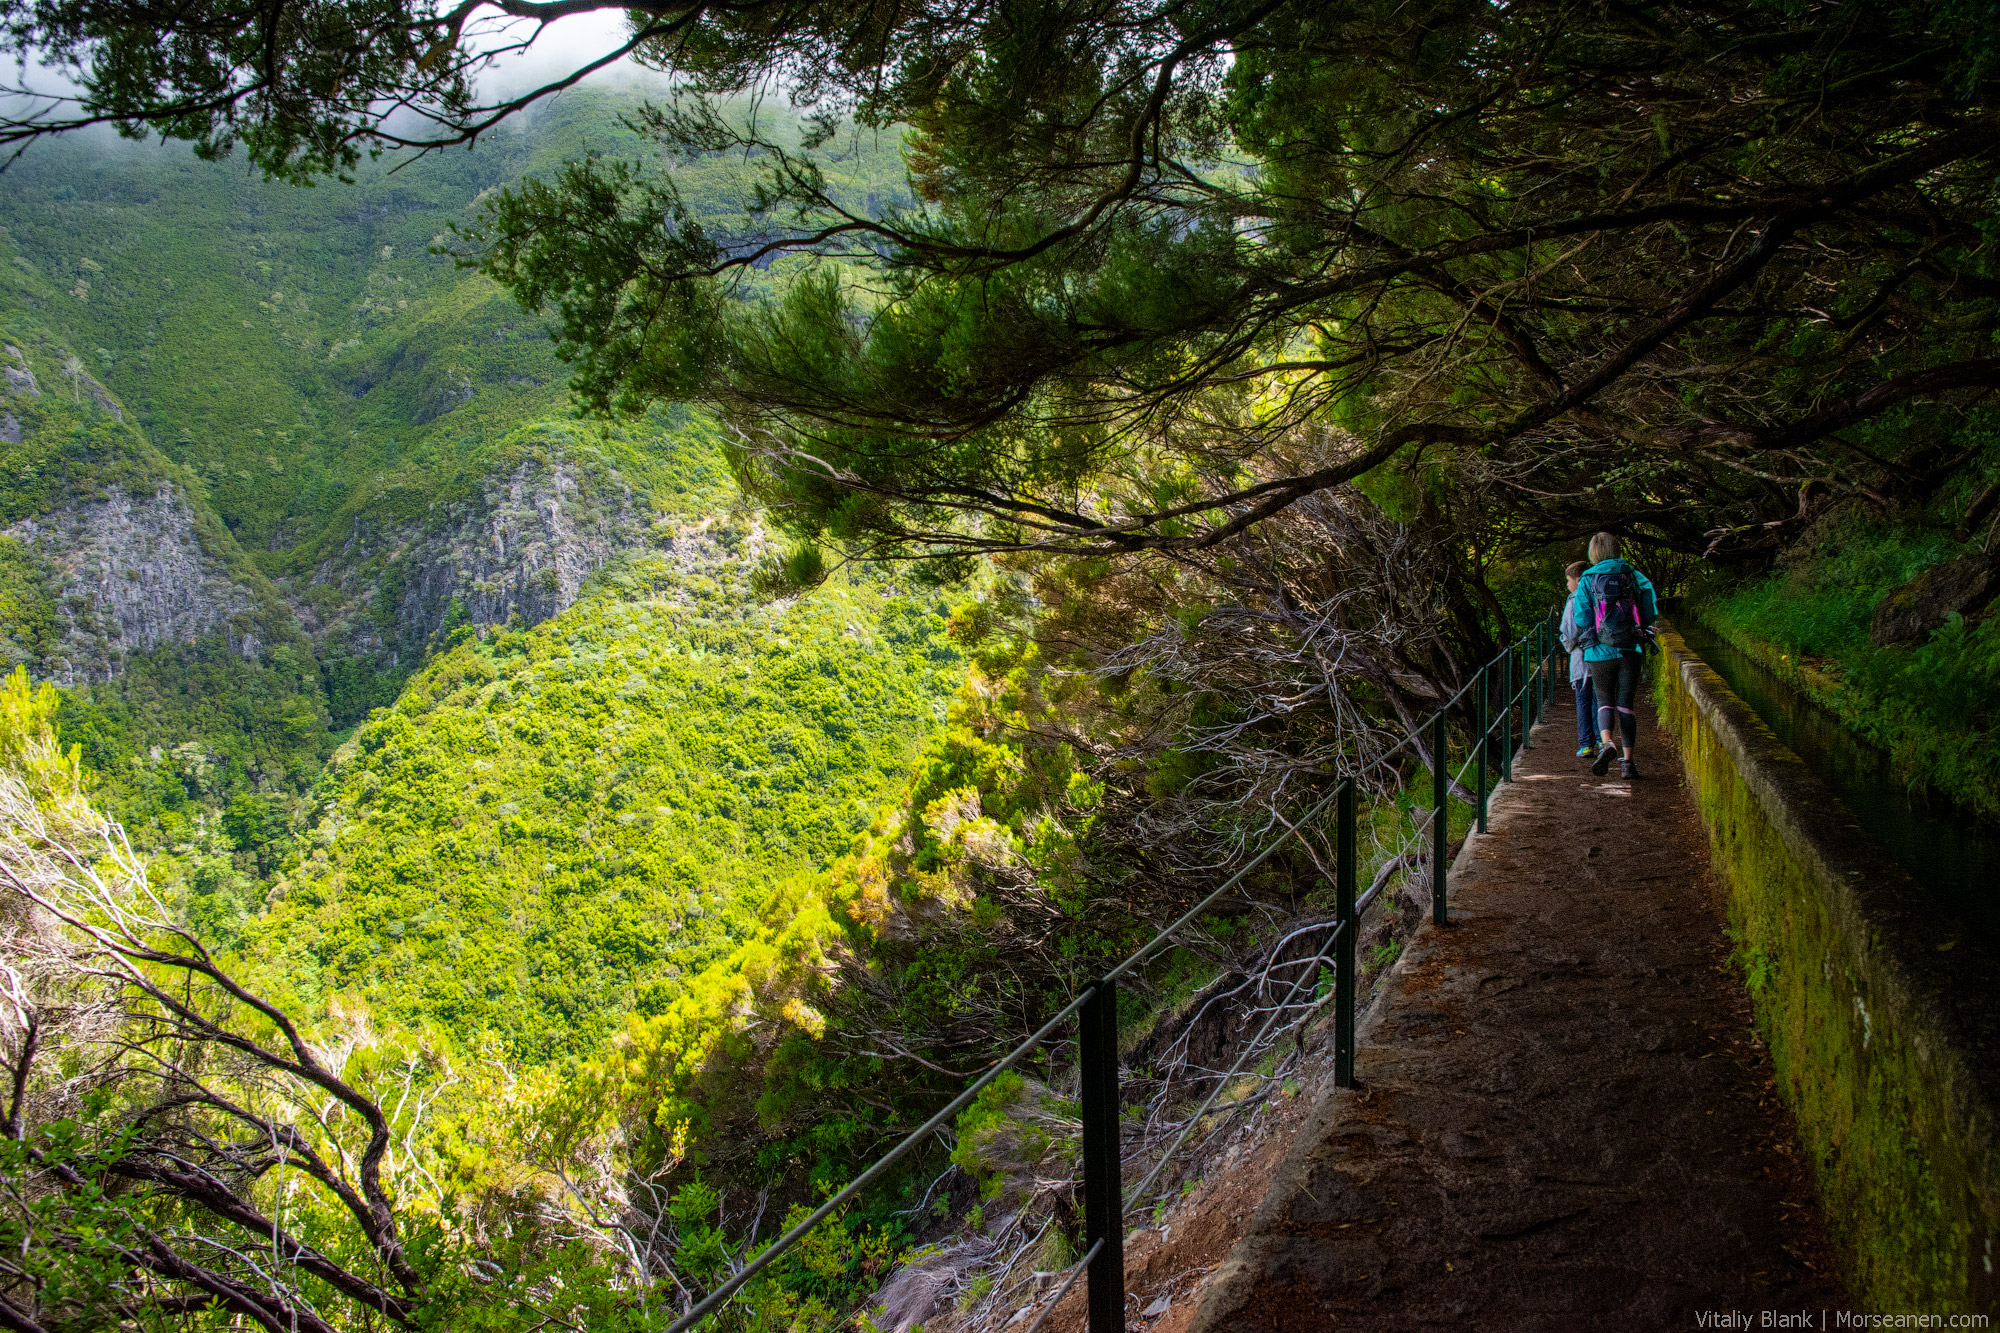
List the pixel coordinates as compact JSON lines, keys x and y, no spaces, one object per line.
{"x":1614,"y":607}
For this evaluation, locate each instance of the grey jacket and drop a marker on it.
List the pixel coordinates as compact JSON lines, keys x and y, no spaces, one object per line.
{"x":1569,"y":632}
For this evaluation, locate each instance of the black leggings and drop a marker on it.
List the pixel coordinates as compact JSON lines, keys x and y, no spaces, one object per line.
{"x":1616,"y":684}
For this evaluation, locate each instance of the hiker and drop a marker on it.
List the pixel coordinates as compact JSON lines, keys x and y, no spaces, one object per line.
{"x":1571,"y":634}
{"x":1614,"y":606}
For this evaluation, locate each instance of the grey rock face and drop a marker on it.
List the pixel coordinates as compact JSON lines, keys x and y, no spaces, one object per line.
{"x":20,"y":379}
{"x":102,"y":397}
{"x":523,"y":548}
{"x":1910,"y":613}
{"x":10,"y":428}
{"x":131,"y":576}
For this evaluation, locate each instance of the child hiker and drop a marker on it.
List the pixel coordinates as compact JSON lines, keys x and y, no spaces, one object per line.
{"x":1579,"y":674}
{"x":1614,"y":607}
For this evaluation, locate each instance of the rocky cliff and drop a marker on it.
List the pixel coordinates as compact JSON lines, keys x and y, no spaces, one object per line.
{"x":127,"y":574}
{"x":518,"y":548}
{"x":107,"y":535}
{"x":189,"y":682}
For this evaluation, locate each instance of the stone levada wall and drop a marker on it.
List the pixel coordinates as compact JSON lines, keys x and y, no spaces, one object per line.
{"x":1881,"y":1013}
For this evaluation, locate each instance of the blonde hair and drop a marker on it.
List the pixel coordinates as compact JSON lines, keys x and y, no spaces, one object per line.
{"x":1603,"y":546}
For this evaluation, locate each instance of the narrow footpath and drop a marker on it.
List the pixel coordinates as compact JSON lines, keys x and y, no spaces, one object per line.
{"x":1564,"y":1121}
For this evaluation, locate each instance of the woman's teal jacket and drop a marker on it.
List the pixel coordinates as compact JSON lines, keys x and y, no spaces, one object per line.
{"x":1583,"y":609}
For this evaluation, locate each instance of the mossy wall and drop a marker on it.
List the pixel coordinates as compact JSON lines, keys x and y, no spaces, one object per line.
{"x":1878,"y":1012}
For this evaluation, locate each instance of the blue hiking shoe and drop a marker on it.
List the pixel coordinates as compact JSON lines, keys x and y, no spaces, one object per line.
{"x":1586,"y":752}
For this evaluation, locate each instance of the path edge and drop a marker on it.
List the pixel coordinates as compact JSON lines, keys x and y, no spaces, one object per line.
{"x":1226,"y":1289}
{"x":1879,"y":1009}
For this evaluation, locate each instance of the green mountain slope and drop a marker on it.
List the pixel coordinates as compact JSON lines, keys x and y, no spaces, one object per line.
{"x":600,"y":754}
{"x":373,"y":444}
{"x":188,"y":678}
{"x":342,"y":390}
{"x":552,"y":826}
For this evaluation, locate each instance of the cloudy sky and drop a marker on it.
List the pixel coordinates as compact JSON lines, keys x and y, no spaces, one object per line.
{"x":559,"y":48}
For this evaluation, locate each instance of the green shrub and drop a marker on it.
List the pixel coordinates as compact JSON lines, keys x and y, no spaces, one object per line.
{"x":1932,"y":706}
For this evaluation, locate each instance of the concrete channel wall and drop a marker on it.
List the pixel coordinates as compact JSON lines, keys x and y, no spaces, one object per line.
{"x":1882,"y":1017}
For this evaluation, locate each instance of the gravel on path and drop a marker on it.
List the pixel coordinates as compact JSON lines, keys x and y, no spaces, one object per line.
{"x":1564,"y":1119}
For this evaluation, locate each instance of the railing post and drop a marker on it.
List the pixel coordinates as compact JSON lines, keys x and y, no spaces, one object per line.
{"x":1343,"y":945}
{"x":1548,"y":651}
{"x":1440,"y":820}
{"x":1507,"y":715}
{"x":1527,"y":690}
{"x":1548,"y":662}
{"x":1541,"y":671}
{"x":1483,"y":740}
{"x":1530,"y":683}
{"x":1541,"y":658}
{"x":1103,"y":1173}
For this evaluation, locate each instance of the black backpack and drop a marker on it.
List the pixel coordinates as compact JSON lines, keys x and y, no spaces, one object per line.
{"x":1617,"y":621}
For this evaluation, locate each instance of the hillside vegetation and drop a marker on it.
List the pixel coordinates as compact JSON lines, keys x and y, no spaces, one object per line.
{"x":447,"y":716}
{"x":553,"y":827}
{"x":189,"y":678}
{"x":371,"y":444}
{"x":1930,"y":696}
{"x":304,"y":350}
{"x":693,"y":628}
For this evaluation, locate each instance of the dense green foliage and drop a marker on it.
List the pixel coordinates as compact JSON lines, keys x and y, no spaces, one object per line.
{"x":552,"y":828}
{"x":492,"y":1209}
{"x":331,"y":399}
{"x":1653,"y":268}
{"x":704,"y":885}
{"x":1933,"y":705}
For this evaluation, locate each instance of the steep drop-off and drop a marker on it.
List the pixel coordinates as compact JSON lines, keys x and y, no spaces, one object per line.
{"x":188,"y":677}
{"x":579,"y":751}
{"x":285,"y":439}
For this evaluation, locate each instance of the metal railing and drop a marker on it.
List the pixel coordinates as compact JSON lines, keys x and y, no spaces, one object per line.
{"x":1106,"y":1203}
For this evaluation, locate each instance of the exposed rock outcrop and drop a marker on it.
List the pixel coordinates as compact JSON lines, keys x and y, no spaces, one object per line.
{"x":522,"y":548}
{"x":130,"y":575}
{"x":19,"y":378}
{"x":1964,"y":586}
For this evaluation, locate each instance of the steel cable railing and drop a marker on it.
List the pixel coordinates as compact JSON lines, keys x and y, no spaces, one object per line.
{"x":1106,"y":1202}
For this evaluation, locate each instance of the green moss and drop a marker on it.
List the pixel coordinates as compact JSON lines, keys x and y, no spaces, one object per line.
{"x":1888,"y":1156}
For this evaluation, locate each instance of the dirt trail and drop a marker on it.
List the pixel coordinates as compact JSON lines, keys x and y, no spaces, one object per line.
{"x":1564,"y":1121}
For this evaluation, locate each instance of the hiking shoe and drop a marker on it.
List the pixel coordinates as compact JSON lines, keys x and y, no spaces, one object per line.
{"x":1604,"y":758}
{"x":1584,"y":752}
{"x":1628,"y":769}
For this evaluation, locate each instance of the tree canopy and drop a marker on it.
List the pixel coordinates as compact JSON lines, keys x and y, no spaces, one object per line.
{"x":1173,"y":266}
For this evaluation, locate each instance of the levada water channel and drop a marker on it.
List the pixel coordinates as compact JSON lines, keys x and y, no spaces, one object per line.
{"x":1952,"y":852}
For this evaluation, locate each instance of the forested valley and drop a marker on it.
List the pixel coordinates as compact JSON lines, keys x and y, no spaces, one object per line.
{"x":566,"y":695}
